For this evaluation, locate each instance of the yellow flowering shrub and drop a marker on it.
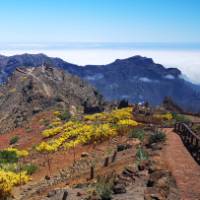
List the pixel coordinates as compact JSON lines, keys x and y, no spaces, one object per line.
{"x":116,"y":115}
{"x":56,"y":113}
{"x":91,"y":133}
{"x":19,"y":153}
{"x":127,"y":122}
{"x":52,"y":131}
{"x":166,"y":116}
{"x":92,"y":128}
{"x":10,"y":179}
{"x":112,"y":117}
{"x":96,"y":117}
{"x":56,"y":123}
{"x":44,"y":147}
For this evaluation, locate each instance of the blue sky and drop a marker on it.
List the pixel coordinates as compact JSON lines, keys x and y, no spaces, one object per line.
{"x":40,"y":21}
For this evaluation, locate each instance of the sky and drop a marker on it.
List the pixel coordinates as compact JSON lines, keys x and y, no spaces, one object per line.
{"x":53,"y":21}
{"x":100,"y":31}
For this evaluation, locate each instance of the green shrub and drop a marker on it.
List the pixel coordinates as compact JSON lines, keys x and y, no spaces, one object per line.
{"x":45,"y":122}
{"x":196,"y":128}
{"x":14,"y":140}
{"x":104,"y":188}
{"x":50,"y":126}
{"x":137,"y":133}
{"x":123,"y":147}
{"x":8,"y":157}
{"x":30,"y":168}
{"x":157,"y":137}
{"x":141,"y":154}
{"x":64,"y":116}
{"x":13,"y":167}
{"x":180,"y":118}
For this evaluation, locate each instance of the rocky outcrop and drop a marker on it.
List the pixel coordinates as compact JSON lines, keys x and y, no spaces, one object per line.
{"x":169,"y":105}
{"x":32,"y":90}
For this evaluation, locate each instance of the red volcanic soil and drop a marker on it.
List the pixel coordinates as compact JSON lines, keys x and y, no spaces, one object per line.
{"x":29,"y":134}
{"x":183,"y":167}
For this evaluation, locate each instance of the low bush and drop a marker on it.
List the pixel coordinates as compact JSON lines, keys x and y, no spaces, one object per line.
{"x":157,"y":137}
{"x":14,"y":140}
{"x":8,"y":157}
{"x":104,"y":188}
{"x":141,"y":154}
{"x":180,"y":118}
{"x":64,"y":116}
{"x":45,"y":122}
{"x":123,"y":147}
{"x":196,"y":128}
{"x":137,"y":133}
{"x":30,"y":169}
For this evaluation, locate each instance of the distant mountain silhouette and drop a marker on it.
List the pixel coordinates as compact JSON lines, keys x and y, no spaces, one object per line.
{"x":137,"y":79}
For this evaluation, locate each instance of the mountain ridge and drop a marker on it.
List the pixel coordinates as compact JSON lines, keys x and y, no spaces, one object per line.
{"x":137,"y":78}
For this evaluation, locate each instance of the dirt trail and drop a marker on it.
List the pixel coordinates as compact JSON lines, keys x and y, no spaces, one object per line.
{"x":45,"y":87}
{"x":183,"y":167}
{"x":29,"y":72}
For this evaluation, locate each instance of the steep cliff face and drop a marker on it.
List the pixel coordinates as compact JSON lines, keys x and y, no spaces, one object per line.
{"x":136,"y":79}
{"x":32,"y":90}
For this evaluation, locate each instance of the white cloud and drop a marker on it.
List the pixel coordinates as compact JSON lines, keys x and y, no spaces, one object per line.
{"x":148,"y":80}
{"x":95,"y":77}
{"x":145,"y":79}
{"x":169,"y":76}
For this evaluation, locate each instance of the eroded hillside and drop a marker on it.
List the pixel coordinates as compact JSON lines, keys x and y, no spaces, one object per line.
{"x":99,"y":156}
{"x":32,"y":90}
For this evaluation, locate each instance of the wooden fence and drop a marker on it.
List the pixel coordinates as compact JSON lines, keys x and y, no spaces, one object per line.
{"x":190,"y":139}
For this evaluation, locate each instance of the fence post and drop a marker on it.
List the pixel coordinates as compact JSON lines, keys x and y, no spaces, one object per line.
{"x":190,"y":139}
{"x":65,"y":195}
{"x":91,"y":172}
{"x":114,"y":156}
{"x":106,"y":162}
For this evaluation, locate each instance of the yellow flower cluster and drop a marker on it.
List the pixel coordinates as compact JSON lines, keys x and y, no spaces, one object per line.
{"x":56,"y":123}
{"x":44,"y":147}
{"x":57,"y":113}
{"x":68,"y":126}
{"x":52,"y":131}
{"x":91,"y":133}
{"x":167,"y":116}
{"x":113,"y":117}
{"x":127,"y":122}
{"x":94,"y":127}
{"x":120,"y":114}
{"x":96,"y":117}
{"x":19,"y":153}
{"x":81,"y":134}
{"x":69,"y":130}
{"x":10,"y":179}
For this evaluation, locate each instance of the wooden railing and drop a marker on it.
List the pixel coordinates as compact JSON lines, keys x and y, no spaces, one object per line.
{"x":190,"y":139}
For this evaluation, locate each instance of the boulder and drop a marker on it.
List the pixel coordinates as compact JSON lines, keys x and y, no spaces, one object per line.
{"x":119,"y":188}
